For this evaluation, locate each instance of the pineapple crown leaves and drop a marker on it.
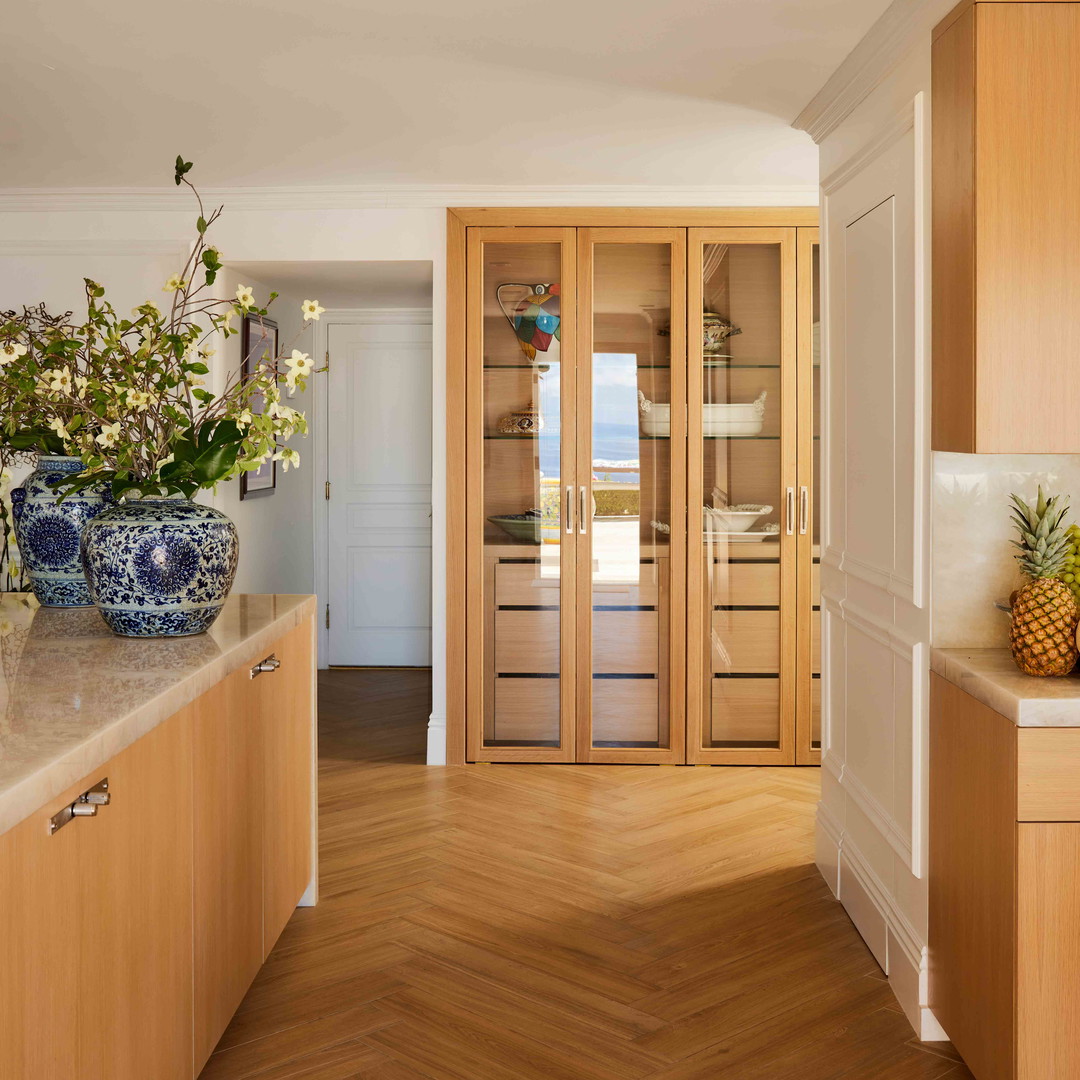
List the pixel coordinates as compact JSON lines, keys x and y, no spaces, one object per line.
{"x":1044,"y":539}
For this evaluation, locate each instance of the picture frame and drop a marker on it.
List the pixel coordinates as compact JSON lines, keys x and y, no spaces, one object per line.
{"x":258,"y":338}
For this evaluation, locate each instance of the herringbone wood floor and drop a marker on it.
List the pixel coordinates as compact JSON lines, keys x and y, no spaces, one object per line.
{"x":553,"y":922}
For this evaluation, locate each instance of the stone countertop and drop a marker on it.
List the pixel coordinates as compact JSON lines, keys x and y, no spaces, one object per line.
{"x":73,"y":694}
{"x":990,"y":676}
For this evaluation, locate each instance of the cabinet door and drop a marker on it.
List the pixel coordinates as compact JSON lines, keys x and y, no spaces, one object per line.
{"x":132,"y":904}
{"x":285,"y":704}
{"x":228,"y":841}
{"x":41,"y":977}
{"x":742,"y":621}
{"x":521,"y":494}
{"x":631,"y":439}
{"x":808,"y":714}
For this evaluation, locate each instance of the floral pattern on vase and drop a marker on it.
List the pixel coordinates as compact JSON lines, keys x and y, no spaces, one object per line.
{"x":160,"y":567}
{"x":48,"y":531}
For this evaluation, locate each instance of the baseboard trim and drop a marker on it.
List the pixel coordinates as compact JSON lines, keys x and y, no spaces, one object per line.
{"x":887,"y":932}
{"x":436,"y":740}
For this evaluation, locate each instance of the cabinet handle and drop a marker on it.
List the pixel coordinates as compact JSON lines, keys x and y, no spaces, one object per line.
{"x":789,"y":514}
{"x":583,"y":510}
{"x":804,"y":510}
{"x":86,"y":805}
{"x":569,"y":510}
{"x":271,"y":663}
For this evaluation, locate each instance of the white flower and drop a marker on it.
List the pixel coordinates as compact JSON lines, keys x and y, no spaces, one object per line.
{"x":244,"y":296}
{"x":205,"y":353}
{"x":81,"y":383}
{"x":287,"y":458}
{"x":196,"y":382}
{"x":245,"y":419}
{"x":139,"y":312}
{"x":58,"y":379}
{"x":312,"y":309}
{"x":225,"y":320}
{"x":175,"y":283}
{"x":57,"y":425}
{"x":109,"y":434}
{"x":139,"y":400}
{"x":11,"y":350}
{"x":299,"y":363}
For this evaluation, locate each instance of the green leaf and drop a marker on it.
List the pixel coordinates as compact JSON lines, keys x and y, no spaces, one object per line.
{"x":182,"y":167}
{"x":201,"y":224}
{"x":211,"y":277}
{"x":198,"y":369}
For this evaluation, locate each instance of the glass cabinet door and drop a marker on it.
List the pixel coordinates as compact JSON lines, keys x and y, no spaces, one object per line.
{"x":521,"y":487}
{"x":809,"y":708}
{"x":631,"y":490}
{"x":743,"y":510}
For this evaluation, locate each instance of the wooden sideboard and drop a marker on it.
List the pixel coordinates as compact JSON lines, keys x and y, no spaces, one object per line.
{"x":129,"y":938}
{"x":1004,"y":929}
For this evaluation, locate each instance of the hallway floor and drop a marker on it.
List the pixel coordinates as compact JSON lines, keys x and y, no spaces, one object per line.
{"x":561,"y":922}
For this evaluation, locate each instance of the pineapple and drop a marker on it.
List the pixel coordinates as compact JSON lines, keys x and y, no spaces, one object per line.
{"x":1044,"y":611}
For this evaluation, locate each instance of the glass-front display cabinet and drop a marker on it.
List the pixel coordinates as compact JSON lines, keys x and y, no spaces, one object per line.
{"x":640,"y":462}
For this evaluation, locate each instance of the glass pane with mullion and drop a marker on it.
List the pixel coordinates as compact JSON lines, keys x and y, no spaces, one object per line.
{"x":742,"y":341}
{"x":632,"y":498}
{"x":522,"y":483}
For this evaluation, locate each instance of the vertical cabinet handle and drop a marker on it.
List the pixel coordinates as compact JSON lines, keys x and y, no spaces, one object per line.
{"x":569,"y":510}
{"x":804,"y":509}
{"x":789,"y":514}
{"x":583,"y":510}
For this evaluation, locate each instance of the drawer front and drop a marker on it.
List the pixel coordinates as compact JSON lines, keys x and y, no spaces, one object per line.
{"x":626,"y":642}
{"x":526,"y":584}
{"x":1048,"y":774}
{"x":526,"y":642}
{"x":625,"y":711}
{"x":746,"y":584}
{"x":746,"y":642}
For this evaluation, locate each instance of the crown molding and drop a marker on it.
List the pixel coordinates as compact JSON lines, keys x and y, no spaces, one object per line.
{"x":91,"y":246}
{"x":401,"y":197}
{"x":882,"y":48}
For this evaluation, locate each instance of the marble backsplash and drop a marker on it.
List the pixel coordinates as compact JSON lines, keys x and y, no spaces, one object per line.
{"x":973,"y":559}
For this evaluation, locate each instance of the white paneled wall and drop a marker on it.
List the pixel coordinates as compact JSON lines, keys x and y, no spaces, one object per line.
{"x":875,"y":589}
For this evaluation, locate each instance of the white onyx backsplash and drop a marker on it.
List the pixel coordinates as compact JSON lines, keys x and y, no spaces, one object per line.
{"x":973,"y":559}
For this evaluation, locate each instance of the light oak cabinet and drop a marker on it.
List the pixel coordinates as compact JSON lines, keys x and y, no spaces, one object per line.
{"x":128,"y":939}
{"x":1004,"y":932}
{"x":1006,"y":229}
{"x":620,"y":386}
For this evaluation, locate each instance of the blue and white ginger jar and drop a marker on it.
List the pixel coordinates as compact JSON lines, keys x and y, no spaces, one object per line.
{"x":160,"y":567}
{"x":48,"y":531}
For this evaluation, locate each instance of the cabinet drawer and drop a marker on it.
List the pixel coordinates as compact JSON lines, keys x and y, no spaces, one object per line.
{"x":626,"y":711}
{"x":526,"y":584}
{"x":749,"y":583}
{"x":527,"y":642}
{"x":746,"y":641}
{"x":526,"y":711}
{"x":1048,"y":774}
{"x":626,"y":642}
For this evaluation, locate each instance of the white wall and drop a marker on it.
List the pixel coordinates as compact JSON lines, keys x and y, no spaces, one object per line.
{"x":872,"y":828}
{"x":276,"y":531}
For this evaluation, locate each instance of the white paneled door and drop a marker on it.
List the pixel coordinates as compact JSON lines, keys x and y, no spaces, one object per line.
{"x":379,"y":468}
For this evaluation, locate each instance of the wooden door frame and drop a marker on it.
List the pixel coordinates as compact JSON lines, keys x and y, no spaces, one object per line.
{"x":458,"y":221}
{"x":675,"y":752}
{"x":699,"y":607}
{"x":805,"y":753}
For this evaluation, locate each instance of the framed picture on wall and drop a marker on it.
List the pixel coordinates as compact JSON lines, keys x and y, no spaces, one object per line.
{"x":258,"y":338}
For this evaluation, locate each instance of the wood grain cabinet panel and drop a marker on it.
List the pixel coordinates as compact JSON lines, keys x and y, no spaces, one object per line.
{"x":1006,"y":228}
{"x":228,"y":852}
{"x":127,"y":939}
{"x":1004,"y":928}
{"x":286,"y":707}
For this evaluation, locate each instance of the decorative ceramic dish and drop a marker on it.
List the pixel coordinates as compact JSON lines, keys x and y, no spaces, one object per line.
{"x":770,"y":532}
{"x":528,"y":526}
{"x":717,"y":420}
{"x":737,"y":519}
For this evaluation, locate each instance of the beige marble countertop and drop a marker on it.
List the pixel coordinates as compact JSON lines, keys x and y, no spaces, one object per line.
{"x":73,"y":694}
{"x":990,"y":676}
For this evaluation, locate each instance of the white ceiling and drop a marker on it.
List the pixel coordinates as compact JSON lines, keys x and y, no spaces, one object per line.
{"x":274,"y":92}
{"x":348,"y":284}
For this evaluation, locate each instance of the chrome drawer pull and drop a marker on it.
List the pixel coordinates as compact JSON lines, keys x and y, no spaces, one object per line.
{"x":271,"y":663}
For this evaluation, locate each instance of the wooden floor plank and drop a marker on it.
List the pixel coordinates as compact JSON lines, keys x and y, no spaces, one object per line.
{"x":561,"y":922}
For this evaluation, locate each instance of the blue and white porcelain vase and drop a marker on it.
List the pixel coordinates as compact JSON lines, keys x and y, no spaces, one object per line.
{"x":160,"y":567}
{"x":48,"y":531}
